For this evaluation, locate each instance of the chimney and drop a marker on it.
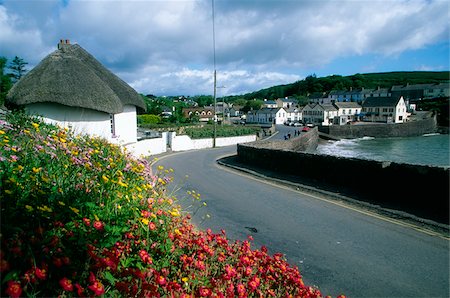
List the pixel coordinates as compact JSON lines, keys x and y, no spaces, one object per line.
{"x":63,"y":42}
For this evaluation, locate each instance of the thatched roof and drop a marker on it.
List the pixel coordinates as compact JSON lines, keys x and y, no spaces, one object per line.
{"x":73,"y":77}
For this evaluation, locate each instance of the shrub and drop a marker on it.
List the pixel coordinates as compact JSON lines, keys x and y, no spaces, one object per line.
{"x":82,"y":218}
{"x":148,"y":119}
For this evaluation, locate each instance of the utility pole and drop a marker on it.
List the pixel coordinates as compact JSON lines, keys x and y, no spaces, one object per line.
{"x":215,"y":79}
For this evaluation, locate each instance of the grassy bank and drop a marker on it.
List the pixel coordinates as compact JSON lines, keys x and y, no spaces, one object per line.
{"x":79,"y":217}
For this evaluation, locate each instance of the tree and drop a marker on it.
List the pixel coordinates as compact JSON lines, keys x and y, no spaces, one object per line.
{"x":17,"y":66}
{"x":5,"y":81}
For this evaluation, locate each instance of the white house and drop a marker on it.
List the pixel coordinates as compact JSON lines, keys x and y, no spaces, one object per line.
{"x":294,"y":114}
{"x":385,"y":109}
{"x":347,"y":112}
{"x":319,"y":114}
{"x":72,"y":89}
{"x":271,"y":104}
{"x":267,"y":115}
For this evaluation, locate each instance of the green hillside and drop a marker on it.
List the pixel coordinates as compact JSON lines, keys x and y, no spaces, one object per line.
{"x":314,"y":85}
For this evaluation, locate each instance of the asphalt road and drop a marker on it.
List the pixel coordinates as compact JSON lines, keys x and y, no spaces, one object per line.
{"x":337,"y":248}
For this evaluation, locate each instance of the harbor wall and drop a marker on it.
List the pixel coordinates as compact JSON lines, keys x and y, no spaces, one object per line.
{"x":418,"y":127}
{"x":416,"y":189}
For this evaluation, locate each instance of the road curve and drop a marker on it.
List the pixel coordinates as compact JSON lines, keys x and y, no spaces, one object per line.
{"x":337,"y":249}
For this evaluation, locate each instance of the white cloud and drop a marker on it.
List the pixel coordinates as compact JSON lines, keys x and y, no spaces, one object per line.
{"x":166,"y":46}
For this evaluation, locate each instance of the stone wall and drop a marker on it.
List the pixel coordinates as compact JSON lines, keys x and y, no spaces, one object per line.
{"x":415,"y":189}
{"x":382,"y":130}
{"x":306,"y":142}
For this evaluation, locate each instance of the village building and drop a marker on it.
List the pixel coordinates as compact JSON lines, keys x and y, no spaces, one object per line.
{"x":385,"y":109}
{"x":285,"y":102}
{"x":319,"y":114}
{"x":267,"y":116}
{"x":70,"y":88}
{"x":347,"y":112}
{"x":204,"y":114}
{"x":271,"y":104}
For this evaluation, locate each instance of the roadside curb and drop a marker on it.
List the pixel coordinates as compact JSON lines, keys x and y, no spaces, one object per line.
{"x":413,"y":221}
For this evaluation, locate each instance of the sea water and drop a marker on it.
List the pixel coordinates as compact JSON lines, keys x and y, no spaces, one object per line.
{"x":429,"y":149}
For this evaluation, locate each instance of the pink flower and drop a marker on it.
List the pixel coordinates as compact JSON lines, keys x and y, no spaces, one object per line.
{"x":98,"y":225}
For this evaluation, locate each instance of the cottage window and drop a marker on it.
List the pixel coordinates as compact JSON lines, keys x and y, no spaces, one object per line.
{"x":113,"y":125}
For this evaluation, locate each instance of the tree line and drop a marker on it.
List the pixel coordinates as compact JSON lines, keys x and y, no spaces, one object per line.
{"x":17,"y":68}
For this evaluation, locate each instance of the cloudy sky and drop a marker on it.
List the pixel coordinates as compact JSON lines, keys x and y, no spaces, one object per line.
{"x":166,"y":47}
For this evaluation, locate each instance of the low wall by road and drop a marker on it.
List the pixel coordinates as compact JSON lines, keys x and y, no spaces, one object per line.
{"x":382,"y":130}
{"x":175,"y":142}
{"x":415,"y":189}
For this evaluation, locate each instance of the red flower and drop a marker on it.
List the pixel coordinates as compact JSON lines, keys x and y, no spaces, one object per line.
{"x":41,"y":273}
{"x":161,"y":280}
{"x":254,"y":283}
{"x":152,"y":226}
{"x":87,"y":221}
{"x":205,"y":292}
{"x":97,"y":287}
{"x":145,"y":257}
{"x":66,"y":284}
{"x":80,"y":290}
{"x":14,"y":289}
{"x":98,"y":225}
{"x":241,"y":290}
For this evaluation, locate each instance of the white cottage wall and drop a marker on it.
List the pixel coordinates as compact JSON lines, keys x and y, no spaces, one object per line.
{"x":79,"y":120}
{"x":126,"y":125}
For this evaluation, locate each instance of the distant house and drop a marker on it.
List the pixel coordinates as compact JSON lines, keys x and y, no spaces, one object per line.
{"x":70,"y":88}
{"x":347,"y":112}
{"x":267,"y":116}
{"x":319,"y":114}
{"x":385,"y":109}
{"x":204,"y":114}
{"x":437,"y":90}
{"x":285,"y":102}
{"x":294,"y":114}
{"x":271,"y":104}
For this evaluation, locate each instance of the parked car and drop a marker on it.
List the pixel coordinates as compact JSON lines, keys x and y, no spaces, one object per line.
{"x":305,"y":128}
{"x":297,"y":124}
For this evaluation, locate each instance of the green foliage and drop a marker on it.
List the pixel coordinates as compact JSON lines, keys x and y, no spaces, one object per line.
{"x":5,"y":81}
{"x":222,"y":131}
{"x":81,"y":218}
{"x":148,"y":119}
{"x":313,"y":84}
{"x":17,"y":67}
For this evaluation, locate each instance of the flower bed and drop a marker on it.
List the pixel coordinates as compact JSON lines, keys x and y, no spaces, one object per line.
{"x":82,"y":218}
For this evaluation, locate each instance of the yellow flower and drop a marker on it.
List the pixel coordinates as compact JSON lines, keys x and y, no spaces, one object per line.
{"x":122,"y":184}
{"x":62,"y":140}
{"x":178,"y":232}
{"x":119,"y":207}
{"x":61,"y":203}
{"x":45,"y":208}
{"x":105,"y":178}
{"x":174,"y":212}
{"x":20,"y":168}
{"x":160,"y":168}
{"x":35,"y":125}
{"x":2,"y":132}
{"x":145,"y":221}
{"x":36,"y":170}
{"x":29,"y":208}
{"x":74,"y":210}
{"x":184,"y":279}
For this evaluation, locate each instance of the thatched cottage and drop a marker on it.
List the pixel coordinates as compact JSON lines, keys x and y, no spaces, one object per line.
{"x":71,"y":88}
